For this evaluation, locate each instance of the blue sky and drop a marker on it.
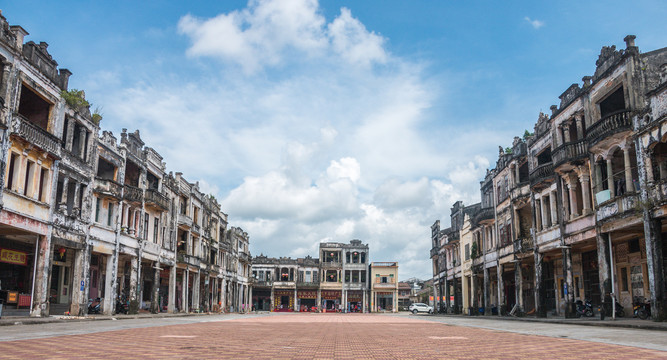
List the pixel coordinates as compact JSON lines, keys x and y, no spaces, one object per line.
{"x":333,"y":120}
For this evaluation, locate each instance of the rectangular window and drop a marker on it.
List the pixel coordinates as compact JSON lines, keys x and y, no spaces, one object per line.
{"x":624,"y":279}
{"x":43,"y":184}
{"x":156,"y":229}
{"x":13,"y":163}
{"x":145,"y":226}
{"x":29,"y":178}
{"x":384,"y":280}
{"x":110,"y":214}
{"x":97,"y":209}
{"x":467,"y":251}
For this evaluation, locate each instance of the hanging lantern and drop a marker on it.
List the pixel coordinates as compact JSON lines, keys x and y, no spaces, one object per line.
{"x":355,"y":253}
{"x":332,"y":254}
{"x":61,"y":251}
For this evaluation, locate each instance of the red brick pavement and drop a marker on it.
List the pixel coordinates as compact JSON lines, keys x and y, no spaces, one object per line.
{"x":315,"y":336}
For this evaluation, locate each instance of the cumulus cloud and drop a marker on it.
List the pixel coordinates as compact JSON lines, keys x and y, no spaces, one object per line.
{"x":337,"y":148}
{"x":534,"y":23}
{"x":269,"y":31}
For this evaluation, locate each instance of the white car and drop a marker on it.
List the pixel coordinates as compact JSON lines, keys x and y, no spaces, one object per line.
{"x":420,"y":307}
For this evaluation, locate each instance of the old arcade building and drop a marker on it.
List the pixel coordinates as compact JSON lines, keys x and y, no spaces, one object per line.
{"x":86,"y":216}
{"x":384,"y":286}
{"x":338,"y":281}
{"x":584,"y":218}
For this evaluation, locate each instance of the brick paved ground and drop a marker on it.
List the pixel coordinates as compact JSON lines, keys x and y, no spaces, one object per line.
{"x":315,"y":336}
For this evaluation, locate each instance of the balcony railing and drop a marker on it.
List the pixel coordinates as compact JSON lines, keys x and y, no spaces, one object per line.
{"x":523,"y":245}
{"x":484,"y":214}
{"x":108,"y":187}
{"x":243,"y":256}
{"x":184,"y":220}
{"x":542,"y":173}
{"x":307,"y":283}
{"x":609,"y":125}
{"x":188,"y":259}
{"x":434,"y":251}
{"x":133,"y":194}
{"x":196,"y":228}
{"x":37,"y":136}
{"x":569,"y":152}
{"x":520,"y":190}
{"x":156,"y":198}
{"x":331,"y":264}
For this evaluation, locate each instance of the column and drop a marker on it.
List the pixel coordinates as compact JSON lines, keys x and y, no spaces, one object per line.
{"x":80,"y":282}
{"x":82,"y":143}
{"x":603,"y":268}
{"x":364,"y":304}
{"x":250,"y":298}
{"x":501,"y":285}
{"x":585,"y":192}
{"x":75,"y":204}
{"x":662,"y":168}
{"x":196,"y":289}
{"x":319,"y":298}
{"x":296,"y":306}
{"x":171,"y":301}
{"x":473,"y":294}
{"x":155,"y":291}
{"x":573,"y":197}
{"x":580,"y":127}
{"x":518,"y":286}
{"x":552,"y":204}
{"x":63,"y":196}
{"x":565,"y":198}
{"x":569,"y":281}
{"x":448,"y":304}
{"x":629,"y":185}
{"x":540,"y":310}
{"x":648,"y":164}
{"x":566,"y":133}
{"x":109,"y":303}
{"x":538,"y":214}
{"x":134,"y":286}
{"x":185,"y":283}
{"x":487,"y":291}
{"x":70,"y":134}
{"x":610,"y":178}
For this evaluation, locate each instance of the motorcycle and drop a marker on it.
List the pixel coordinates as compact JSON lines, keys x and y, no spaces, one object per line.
{"x":619,"y":310}
{"x":122,"y":307}
{"x":642,"y":309}
{"x":584,"y":308}
{"x":94,"y":306}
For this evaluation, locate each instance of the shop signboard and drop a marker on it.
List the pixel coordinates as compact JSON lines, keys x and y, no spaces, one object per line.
{"x":307,"y":294}
{"x":13,"y":257}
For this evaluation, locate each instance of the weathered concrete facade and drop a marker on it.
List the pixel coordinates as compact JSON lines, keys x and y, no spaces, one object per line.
{"x":85,"y":216}
{"x":574,"y":210}
{"x":338,"y":280}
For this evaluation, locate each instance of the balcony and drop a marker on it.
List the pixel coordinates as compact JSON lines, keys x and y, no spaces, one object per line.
{"x":243,"y":256}
{"x":521,"y":190}
{"x":617,"y":206}
{"x":108,"y":187}
{"x":154,"y":197}
{"x":609,"y":125}
{"x":188,"y":259}
{"x":523,"y":245}
{"x":542,"y":173}
{"x":302,"y":283}
{"x":331,"y":264}
{"x":261,"y":282}
{"x":36,"y":135}
{"x":196,"y":228}
{"x":484,"y":214}
{"x":184,"y":220}
{"x":571,"y":151}
{"x":133,"y":194}
{"x":434,"y":252}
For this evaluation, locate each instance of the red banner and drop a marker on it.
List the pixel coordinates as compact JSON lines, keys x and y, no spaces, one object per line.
{"x":330,"y":294}
{"x":13,"y":257}
{"x":306,"y":294}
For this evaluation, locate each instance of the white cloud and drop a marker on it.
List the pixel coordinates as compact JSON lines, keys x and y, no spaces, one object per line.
{"x":330,"y":150}
{"x":268,"y":32}
{"x":534,"y":23}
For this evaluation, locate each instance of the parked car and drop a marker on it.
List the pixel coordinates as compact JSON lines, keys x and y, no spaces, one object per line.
{"x":420,"y":307}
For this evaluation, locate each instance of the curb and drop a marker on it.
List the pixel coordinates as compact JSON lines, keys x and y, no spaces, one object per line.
{"x":650,"y":325}
{"x":8,"y":321}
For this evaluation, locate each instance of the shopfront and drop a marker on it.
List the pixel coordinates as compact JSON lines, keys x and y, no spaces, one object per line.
{"x":307,"y":300}
{"x":385,"y":301}
{"x":261,"y":299}
{"x":60,"y":290}
{"x":283,"y":300}
{"x":331,"y":299}
{"x":17,"y":261}
{"x":354,"y":301}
